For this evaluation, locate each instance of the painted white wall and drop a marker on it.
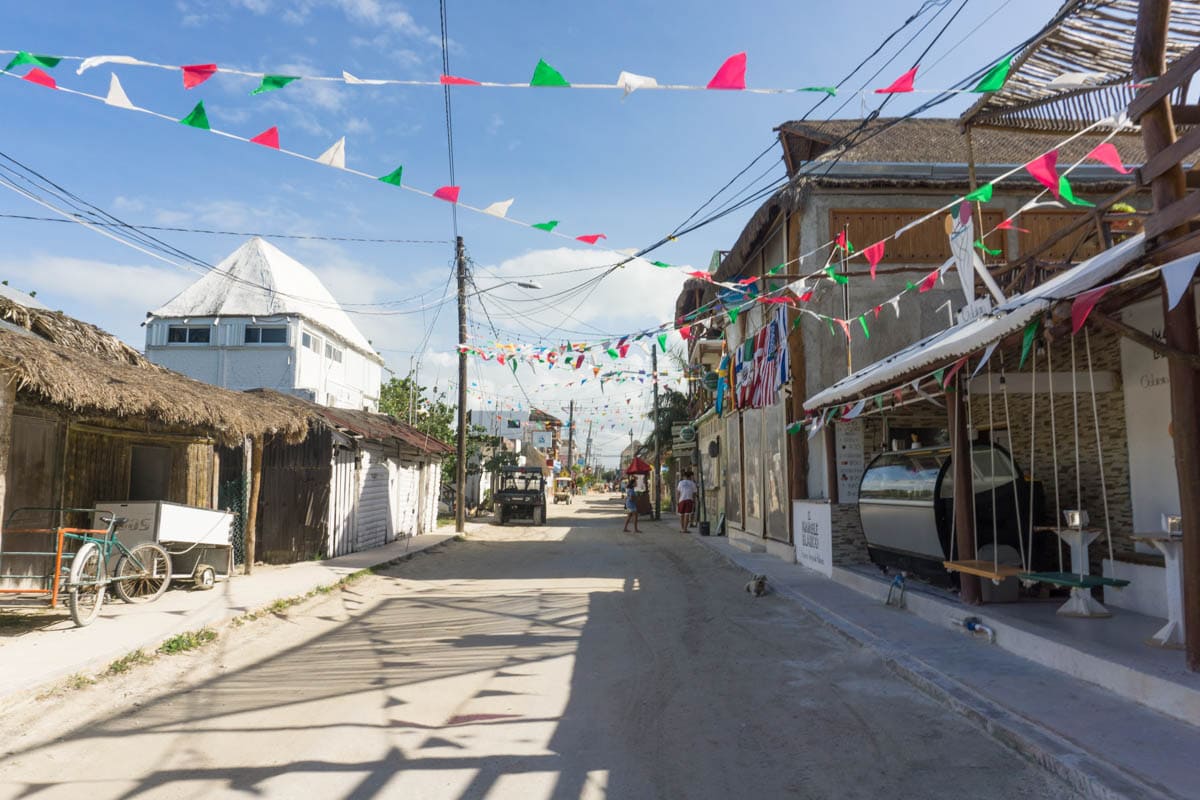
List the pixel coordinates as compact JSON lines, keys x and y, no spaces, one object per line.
{"x":290,"y":367}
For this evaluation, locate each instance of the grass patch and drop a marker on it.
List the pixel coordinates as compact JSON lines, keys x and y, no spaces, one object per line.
{"x":128,"y":662}
{"x":187,"y":641}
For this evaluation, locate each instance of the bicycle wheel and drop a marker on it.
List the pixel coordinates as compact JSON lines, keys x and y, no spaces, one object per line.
{"x":85,"y":586}
{"x":144,"y":574}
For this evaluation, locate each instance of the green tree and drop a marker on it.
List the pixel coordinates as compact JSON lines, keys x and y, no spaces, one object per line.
{"x":429,"y":411}
{"x":672,"y":409}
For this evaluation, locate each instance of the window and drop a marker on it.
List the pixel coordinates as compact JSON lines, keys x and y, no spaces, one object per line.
{"x":276,"y":334}
{"x":333,"y":353}
{"x":311,"y":342}
{"x":149,"y":472}
{"x":180,"y":334}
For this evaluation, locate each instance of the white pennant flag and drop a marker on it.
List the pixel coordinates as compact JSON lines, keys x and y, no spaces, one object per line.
{"x":116,"y":95}
{"x":1076,"y":80}
{"x":348,"y":78}
{"x":857,"y":409}
{"x":499,"y":209}
{"x":335,"y":156}
{"x":1178,"y":277}
{"x":817,"y":423}
{"x":987,"y":354}
{"x":96,"y":61}
{"x":895,"y":304}
{"x":631,"y":82}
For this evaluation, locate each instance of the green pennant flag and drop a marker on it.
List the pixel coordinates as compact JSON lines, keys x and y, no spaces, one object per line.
{"x":863,"y":321}
{"x":829,"y":90}
{"x":733,"y":314}
{"x":796,"y":323}
{"x":612,"y":352}
{"x":937,"y":376}
{"x":660,"y":264}
{"x":835,"y":276}
{"x":1027,"y":341}
{"x":995,"y":77}
{"x":22,"y":57}
{"x":988,"y":250}
{"x":775,"y":270}
{"x":795,"y":428}
{"x":1067,"y":193}
{"x":829,"y":324}
{"x":197,"y":118}
{"x":662,"y":342}
{"x":546,"y":75}
{"x":271,"y":83}
{"x":512,"y":362}
{"x":393,"y":177}
{"x":981,"y":195}
{"x":909,"y":286}
{"x":546,"y":226}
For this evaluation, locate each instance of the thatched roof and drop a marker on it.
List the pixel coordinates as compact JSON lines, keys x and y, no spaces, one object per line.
{"x":58,"y":360}
{"x":1093,"y":37}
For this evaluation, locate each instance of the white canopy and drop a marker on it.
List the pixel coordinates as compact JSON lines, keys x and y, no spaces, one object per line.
{"x":260,"y":280}
{"x":949,"y":345}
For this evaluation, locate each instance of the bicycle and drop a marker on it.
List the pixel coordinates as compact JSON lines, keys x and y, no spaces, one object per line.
{"x":142,"y":574}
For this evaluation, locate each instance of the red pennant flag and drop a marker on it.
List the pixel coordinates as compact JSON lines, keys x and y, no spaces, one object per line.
{"x":41,"y":78}
{"x":268,"y":138}
{"x":1008,"y":225}
{"x":774,"y":300}
{"x":877,"y":310}
{"x":898,"y":394}
{"x":845,"y":326}
{"x":453,"y":80}
{"x":447,"y":193}
{"x":929,"y":282}
{"x":623,"y":350}
{"x":196,"y":74}
{"x":873,"y":254}
{"x":902,"y":84}
{"x":1107,"y":154}
{"x":699,"y":275}
{"x":1044,"y":171}
{"x":1082,"y":306}
{"x":685,"y":331}
{"x":731,"y":75}
{"x":591,"y":238}
{"x":500,"y":359}
{"x":953,"y":370}
{"x":804,"y":298}
{"x":840,"y":239}
{"x":747,"y":281}
{"x":579,"y":362}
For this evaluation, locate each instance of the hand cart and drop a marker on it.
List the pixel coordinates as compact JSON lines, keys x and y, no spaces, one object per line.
{"x":199,"y":540}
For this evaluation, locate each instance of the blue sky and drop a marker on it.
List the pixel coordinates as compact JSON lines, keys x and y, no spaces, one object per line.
{"x":632,"y":169}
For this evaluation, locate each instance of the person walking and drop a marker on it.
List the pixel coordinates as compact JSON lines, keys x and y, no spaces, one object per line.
{"x":631,"y":506}
{"x":685,"y":490}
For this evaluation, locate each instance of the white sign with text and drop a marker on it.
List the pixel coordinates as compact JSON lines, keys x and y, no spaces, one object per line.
{"x":813,"y":526}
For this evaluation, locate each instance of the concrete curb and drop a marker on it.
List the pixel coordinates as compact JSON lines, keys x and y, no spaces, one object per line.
{"x":1084,"y":772}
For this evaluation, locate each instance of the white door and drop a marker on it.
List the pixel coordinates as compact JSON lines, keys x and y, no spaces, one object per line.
{"x":373,"y":506}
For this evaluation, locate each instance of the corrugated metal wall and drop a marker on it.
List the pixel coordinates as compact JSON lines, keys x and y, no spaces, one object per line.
{"x":374,"y":506}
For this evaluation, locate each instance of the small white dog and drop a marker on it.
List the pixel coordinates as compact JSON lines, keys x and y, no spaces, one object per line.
{"x":758,"y":585}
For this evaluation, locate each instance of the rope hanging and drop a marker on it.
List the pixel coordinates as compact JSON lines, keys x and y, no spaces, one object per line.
{"x":1016,"y":478}
{"x":1054,"y":451}
{"x":1087,"y":343}
{"x":992,"y":455}
{"x":1032,"y":435}
{"x":1075,"y":421}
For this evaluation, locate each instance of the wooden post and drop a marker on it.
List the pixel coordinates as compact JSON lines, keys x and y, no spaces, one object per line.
{"x":831,"y":473}
{"x":1179,"y":324}
{"x":8,"y":401}
{"x":964,"y":511}
{"x":256,"y":459}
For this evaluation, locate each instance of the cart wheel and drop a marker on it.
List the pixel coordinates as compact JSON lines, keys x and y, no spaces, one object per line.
{"x":206,"y":577}
{"x":85,"y":584}
{"x":144,"y":574}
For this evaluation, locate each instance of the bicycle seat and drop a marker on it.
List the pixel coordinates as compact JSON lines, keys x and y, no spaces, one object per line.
{"x":117,"y":522}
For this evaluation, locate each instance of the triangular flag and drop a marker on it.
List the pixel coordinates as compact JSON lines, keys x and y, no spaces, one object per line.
{"x":1082,"y":306}
{"x":631,"y":82}
{"x":1007,"y":225}
{"x":662,"y":342}
{"x":1106,"y":153}
{"x":40,"y":77}
{"x":987,"y":355}
{"x":873,"y":254}
{"x":845,"y":326}
{"x":863,"y":322}
{"x":335,"y":156}
{"x":902,"y":84}
{"x":1044,"y":170}
{"x":1027,"y":341}
{"x":271,"y":83}
{"x":351,"y":79}
{"x":546,"y":75}
{"x":995,"y":77}
{"x":660,"y":264}
{"x":731,"y":75}
{"x":954,"y":371}
{"x":1065,"y":192}
{"x":794,"y":428}
{"x":196,"y":74}
{"x":116,"y":94}
{"x":545,"y":226}
{"x":499,"y":208}
{"x":929,"y":282}
{"x":393,"y":177}
{"x":981,"y":195}
{"x":197,"y":118}
{"x":453,"y":80}
{"x":829,"y":90}
{"x":513,"y":364}
{"x":856,"y":409}
{"x":1177,"y":275}
{"x":979,"y":244}
{"x":612,"y":351}
{"x":591,"y":238}
{"x":268,"y":138}
{"x":685,"y":331}
{"x":733,"y":314}
{"x":447,"y":193}
{"x":23,"y":57}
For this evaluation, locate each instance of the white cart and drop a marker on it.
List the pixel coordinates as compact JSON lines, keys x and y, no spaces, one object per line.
{"x":199,"y":540}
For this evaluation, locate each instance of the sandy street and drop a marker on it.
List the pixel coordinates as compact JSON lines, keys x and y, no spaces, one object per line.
{"x":564,"y":661}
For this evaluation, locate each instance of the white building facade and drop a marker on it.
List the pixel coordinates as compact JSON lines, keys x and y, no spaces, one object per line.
{"x":262,"y":320}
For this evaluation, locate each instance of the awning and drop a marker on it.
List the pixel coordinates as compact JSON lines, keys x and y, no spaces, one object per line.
{"x":638,"y":467}
{"x":951,"y":344}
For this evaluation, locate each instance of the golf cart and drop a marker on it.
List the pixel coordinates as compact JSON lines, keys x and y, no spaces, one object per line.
{"x":562,"y":490}
{"x":521,"y":493}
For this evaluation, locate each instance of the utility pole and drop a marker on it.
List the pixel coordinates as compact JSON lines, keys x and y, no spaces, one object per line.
{"x":587,"y":454}
{"x":570,"y":438}
{"x":460,"y":477}
{"x":657,"y":445}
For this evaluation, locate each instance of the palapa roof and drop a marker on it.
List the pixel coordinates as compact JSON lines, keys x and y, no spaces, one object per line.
{"x":1087,"y":41}
{"x":260,"y":280}
{"x":537,"y":415}
{"x":64,"y":362}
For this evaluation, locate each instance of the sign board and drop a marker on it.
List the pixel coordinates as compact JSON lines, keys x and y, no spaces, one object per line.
{"x":849,"y":460}
{"x":812,"y":522}
{"x":542,"y":439}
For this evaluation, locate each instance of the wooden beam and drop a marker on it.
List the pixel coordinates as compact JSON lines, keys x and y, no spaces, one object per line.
{"x":1173,"y":215}
{"x":1186,"y":114}
{"x":1165,"y":159}
{"x":251,"y":531}
{"x":964,"y":503}
{"x":8,"y":401}
{"x":1179,"y":329}
{"x":1144,"y":339}
{"x":831,"y":474}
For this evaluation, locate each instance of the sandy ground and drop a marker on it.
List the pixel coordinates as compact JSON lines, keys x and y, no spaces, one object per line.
{"x":565,"y":661}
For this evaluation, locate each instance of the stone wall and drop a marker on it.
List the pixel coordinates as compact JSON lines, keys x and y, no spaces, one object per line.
{"x":849,"y":543}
